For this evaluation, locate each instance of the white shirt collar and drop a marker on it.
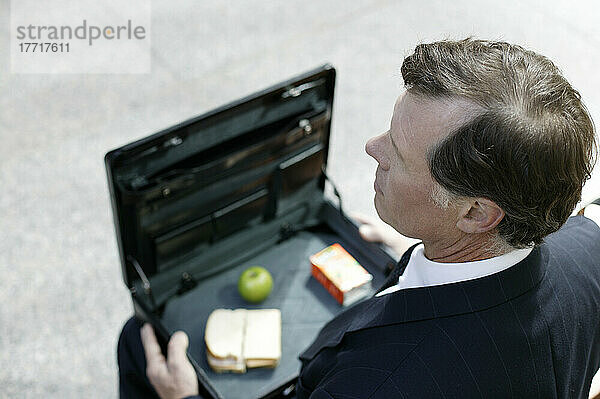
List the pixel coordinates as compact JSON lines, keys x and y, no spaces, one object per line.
{"x":422,"y":272}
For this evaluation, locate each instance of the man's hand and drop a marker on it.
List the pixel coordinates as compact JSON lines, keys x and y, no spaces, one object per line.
{"x":174,"y":377}
{"x":374,"y":230}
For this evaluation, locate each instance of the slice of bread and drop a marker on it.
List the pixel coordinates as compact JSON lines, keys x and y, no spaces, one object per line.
{"x":262,"y":340}
{"x":224,"y":335}
{"x":240,"y":338}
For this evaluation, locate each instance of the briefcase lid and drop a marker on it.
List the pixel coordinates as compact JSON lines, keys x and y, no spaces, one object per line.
{"x":176,"y":193}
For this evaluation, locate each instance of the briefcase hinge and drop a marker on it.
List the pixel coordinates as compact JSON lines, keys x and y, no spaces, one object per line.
{"x":286,"y":231}
{"x":187,"y":283}
{"x":145,"y":282}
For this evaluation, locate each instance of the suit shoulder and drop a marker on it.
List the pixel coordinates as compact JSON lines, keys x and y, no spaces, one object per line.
{"x":579,"y":236}
{"x":577,"y":225}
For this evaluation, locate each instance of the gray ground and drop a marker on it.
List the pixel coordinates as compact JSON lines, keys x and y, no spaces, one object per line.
{"x":60,"y":282}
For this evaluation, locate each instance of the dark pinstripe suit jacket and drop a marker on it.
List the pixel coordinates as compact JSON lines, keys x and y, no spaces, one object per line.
{"x":531,"y":331}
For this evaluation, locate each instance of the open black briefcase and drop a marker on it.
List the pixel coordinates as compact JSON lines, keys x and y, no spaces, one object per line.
{"x":196,"y":204}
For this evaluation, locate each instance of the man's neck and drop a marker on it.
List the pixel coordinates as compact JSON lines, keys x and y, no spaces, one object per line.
{"x":466,"y":248}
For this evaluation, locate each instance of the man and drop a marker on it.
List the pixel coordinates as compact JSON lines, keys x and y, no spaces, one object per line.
{"x":484,"y":161}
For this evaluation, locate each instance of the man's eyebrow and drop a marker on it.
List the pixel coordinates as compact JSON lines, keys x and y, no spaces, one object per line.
{"x":395,"y":147}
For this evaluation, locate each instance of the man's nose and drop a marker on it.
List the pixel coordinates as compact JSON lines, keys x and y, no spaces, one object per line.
{"x":375,"y":147}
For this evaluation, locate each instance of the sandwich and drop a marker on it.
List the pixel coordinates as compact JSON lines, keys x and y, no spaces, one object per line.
{"x":240,"y":339}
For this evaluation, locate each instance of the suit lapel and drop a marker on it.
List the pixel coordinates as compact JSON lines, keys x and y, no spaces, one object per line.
{"x":425,"y":303}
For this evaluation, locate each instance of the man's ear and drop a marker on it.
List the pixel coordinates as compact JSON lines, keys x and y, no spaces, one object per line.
{"x":479,"y":215}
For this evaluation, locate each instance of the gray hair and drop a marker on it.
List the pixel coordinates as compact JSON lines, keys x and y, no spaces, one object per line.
{"x":531,"y":148}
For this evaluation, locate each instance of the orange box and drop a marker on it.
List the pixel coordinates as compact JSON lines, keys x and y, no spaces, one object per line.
{"x":345,"y":279}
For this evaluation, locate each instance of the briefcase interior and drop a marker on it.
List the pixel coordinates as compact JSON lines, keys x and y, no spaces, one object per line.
{"x":196,"y":204}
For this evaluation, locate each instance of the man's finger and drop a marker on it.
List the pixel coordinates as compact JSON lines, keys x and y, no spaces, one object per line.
{"x":151,"y":347}
{"x":362,"y":218}
{"x":177,"y":348}
{"x":369,"y":233}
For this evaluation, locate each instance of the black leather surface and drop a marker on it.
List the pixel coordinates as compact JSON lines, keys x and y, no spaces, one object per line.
{"x":305,"y":307}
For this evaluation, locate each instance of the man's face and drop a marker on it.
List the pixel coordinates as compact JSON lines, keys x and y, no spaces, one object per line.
{"x":403,"y":183}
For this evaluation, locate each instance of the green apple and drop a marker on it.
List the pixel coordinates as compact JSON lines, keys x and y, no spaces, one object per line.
{"x":255,"y":284}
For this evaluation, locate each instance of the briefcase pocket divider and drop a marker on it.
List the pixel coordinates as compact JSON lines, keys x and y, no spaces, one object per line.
{"x":261,"y":203}
{"x":188,"y":197}
{"x":200,"y":233}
